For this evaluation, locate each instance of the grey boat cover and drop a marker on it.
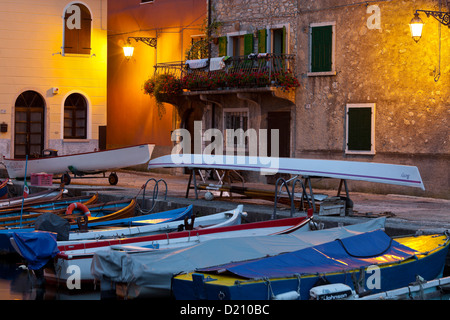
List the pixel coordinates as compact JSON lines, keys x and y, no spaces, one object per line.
{"x":153,"y":270}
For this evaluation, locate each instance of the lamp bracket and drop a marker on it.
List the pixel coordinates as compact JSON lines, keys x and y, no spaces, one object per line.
{"x":441,"y":16}
{"x":152,"y":42}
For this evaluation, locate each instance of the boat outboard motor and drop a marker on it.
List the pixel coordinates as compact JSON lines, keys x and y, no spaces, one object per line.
{"x":52,"y":223}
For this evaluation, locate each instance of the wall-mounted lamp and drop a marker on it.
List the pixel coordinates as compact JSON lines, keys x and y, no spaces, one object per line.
{"x":416,"y":23}
{"x":416,"y":26}
{"x":128,"y":49}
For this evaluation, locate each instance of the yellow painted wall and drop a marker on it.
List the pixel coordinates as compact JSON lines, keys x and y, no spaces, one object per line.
{"x":31,"y":38}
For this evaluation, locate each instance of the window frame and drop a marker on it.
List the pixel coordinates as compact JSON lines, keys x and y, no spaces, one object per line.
{"x":269,"y":41}
{"x":332,"y":72}
{"x":74,"y":119}
{"x":64,"y":42}
{"x":372,"y":106}
{"x":236,"y":146}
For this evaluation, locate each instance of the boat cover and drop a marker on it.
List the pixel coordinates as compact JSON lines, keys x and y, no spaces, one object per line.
{"x":53,"y":223}
{"x":36,"y":247}
{"x":155,"y":269}
{"x":336,"y":256}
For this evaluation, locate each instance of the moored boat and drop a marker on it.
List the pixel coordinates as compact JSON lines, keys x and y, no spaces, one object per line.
{"x":15,"y":217}
{"x":81,"y":254}
{"x":97,"y":212}
{"x":219,"y":220}
{"x":141,"y":228}
{"x":370,"y":261}
{"x":36,"y":197}
{"x":149,"y":273}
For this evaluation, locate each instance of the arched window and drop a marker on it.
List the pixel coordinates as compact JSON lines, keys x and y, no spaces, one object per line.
{"x":77,"y":29}
{"x":29,"y":124}
{"x":75,"y":117}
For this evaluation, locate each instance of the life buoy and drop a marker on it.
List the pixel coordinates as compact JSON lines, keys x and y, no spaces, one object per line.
{"x":78,"y":205}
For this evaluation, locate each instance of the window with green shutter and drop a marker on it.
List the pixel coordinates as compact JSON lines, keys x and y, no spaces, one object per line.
{"x":248,"y":43}
{"x":223,"y":46}
{"x":262,"y":41}
{"x":360,"y":128}
{"x":321,"y":48}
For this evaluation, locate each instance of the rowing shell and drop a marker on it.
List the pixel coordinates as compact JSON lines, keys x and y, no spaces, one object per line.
{"x":350,"y":170}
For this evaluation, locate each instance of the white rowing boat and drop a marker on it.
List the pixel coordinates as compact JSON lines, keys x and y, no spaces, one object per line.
{"x":141,"y":228}
{"x":83,"y":163}
{"x":348,"y":170}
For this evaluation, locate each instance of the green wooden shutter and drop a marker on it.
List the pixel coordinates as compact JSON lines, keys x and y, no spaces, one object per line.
{"x":262,"y":41}
{"x":359,"y":129}
{"x":283,"y":41}
{"x":321,"y":48}
{"x":223,"y":46}
{"x":248,"y":43}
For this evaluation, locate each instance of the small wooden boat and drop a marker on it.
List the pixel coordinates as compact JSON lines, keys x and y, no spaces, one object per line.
{"x":141,"y":228}
{"x":32,"y":198}
{"x":81,"y":163}
{"x":370,"y":261}
{"x":110,"y":216}
{"x":20,"y":239}
{"x":81,"y":254}
{"x":99,"y":212}
{"x":39,"y":206}
{"x":149,"y":273}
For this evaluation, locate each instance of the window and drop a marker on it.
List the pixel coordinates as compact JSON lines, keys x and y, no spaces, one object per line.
{"x":236,"y":44}
{"x":146,"y":1}
{"x":273,"y":40}
{"x":77,"y":29}
{"x":233,"y":120}
{"x":75,"y":117}
{"x":322,"y":47}
{"x":360,"y":128}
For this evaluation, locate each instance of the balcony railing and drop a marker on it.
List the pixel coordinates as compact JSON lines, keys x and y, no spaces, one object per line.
{"x":255,"y":70}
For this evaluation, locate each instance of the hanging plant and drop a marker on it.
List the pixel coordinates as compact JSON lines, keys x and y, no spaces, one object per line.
{"x":163,"y":87}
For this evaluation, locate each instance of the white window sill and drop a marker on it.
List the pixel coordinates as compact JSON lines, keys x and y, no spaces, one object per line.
{"x":354,"y":152}
{"x":76,"y":140}
{"x":321,"y":74}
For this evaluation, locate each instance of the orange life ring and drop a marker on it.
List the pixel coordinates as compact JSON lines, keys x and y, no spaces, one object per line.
{"x":77,"y":205}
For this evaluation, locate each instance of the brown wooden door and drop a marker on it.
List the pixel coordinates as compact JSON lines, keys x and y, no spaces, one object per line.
{"x":282,"y":122}
{"x":29,"y":125}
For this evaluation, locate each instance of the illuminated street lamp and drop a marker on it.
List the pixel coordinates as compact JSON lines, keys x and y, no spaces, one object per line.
{"x":416,"y":26}
{"x":128,"y":49}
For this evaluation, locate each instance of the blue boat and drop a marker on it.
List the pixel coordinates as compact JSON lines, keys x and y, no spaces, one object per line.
{"x":98,"y":221}
{"x":369,"y":262}
{"x":18,"y":217}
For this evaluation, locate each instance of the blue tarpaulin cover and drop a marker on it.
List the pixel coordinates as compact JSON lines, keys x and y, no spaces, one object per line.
{"x":342,"y":254}
{"x":36,"y":247}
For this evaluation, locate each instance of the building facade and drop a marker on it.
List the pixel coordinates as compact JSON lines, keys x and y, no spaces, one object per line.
{"x":366,"y":91}
{"x":378,"y":95}
{"x":160,"y":32}
{"x":53,"y":64}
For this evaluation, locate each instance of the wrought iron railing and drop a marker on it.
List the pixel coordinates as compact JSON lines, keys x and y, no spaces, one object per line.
{"x":255,"y":70}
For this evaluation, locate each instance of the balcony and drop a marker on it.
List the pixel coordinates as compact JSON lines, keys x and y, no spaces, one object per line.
{"x":242,"y":73}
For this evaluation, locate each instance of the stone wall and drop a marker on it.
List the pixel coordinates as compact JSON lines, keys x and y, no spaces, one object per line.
{"x":381,"y":65}
{"x":376,"y":61}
